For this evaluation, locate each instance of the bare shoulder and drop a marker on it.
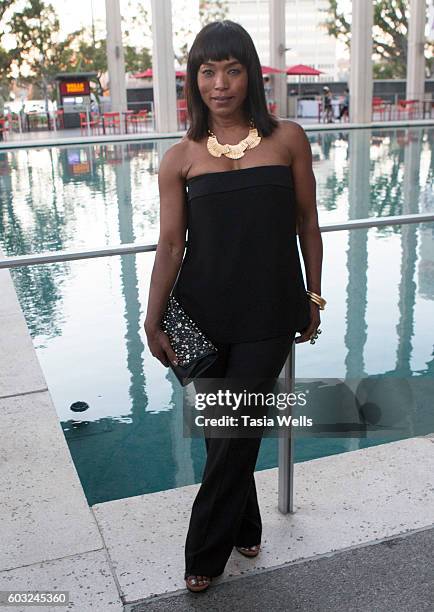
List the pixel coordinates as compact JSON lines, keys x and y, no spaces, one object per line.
{"x":291,"y":129}
{"x":295,"y":138}
{"x":173,"y":161}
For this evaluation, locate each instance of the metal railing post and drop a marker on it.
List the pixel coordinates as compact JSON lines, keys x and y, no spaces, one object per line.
{"x":286,"y":448}
{"x":88,"y":119}
{"x":153,"y":117}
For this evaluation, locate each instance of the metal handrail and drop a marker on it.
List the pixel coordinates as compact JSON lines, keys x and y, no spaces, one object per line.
{"x":126,"y":249}
{"x":285,"y":443}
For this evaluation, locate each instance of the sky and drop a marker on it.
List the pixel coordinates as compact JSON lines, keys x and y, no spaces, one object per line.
{"x":74,"y":15}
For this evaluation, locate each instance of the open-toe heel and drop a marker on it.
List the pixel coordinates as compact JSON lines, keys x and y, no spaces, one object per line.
{"x":195,"y":584}
{"x":249,"y":551}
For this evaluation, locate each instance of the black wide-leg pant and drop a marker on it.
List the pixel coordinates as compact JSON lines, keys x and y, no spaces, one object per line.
{"x":225,"y":512}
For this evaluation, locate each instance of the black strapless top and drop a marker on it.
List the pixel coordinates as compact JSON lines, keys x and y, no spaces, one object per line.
{"x":241,"y":277}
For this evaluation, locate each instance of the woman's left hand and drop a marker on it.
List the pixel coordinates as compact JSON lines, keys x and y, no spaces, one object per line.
{"x":315,"y":321}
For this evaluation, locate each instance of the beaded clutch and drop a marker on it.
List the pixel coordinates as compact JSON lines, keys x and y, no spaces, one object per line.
{"x":194,"y":351}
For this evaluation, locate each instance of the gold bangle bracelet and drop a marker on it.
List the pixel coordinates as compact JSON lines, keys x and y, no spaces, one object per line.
{"x":319,"y":304}
{"x":313,"y":294}
{"x":321,"y":307}
{"x":317,"y":299}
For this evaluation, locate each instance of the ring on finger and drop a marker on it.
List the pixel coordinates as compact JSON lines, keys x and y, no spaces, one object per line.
{"x":314,"y":336}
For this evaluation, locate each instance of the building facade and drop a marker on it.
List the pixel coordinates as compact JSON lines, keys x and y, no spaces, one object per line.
{"x":309,"y":42}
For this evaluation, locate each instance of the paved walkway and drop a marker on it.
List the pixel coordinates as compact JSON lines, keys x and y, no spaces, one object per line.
{"x":396,"y":575}
{"x":49,"y":537}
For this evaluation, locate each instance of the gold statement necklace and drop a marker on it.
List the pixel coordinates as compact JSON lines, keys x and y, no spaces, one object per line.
{"x":237,"y":150}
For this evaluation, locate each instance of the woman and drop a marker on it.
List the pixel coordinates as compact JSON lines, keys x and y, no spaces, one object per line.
{"x":328,"y":108}
{"x":241,"y":279}
{"x":345,"y":108}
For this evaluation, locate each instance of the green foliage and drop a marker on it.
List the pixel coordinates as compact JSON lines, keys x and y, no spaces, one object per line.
{"x":90,"y":56}
{"x":136,"y":60}
{"x":212,"y":10}
{"x":4,"y":6}
{"x":40,"y":53}
{"x":216,"y":10}
{"x":4,"y":66}
{"x":6,"y":57}
{"x":389,"y":42}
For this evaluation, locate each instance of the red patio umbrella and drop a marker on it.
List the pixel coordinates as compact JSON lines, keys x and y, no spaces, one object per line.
{"x":143,"y":75}
{"x":270,"y":70}
{"x":148,"y":74}
{"x":302,"y":69}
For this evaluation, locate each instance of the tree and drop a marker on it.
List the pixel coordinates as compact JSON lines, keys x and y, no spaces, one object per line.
{"x":91,"y":55}
{"x":210,"y":11}
{"x":136,"y":60}
{"x":390,"y":33}
{"x":6,"y":58}
{"x":141,"y":21}
{"x":4,"y":6}
{"x":5,"y":76}
{"x":37,"y":46}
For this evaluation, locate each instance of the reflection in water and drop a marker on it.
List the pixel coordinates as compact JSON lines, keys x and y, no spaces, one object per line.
{"x":86,"y":318}
{"x":65,"y":197}
{"x":407,"y":285}
{"x":357,"y":255}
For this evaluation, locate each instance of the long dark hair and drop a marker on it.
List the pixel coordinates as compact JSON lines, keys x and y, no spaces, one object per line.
{"x":218,"y":41}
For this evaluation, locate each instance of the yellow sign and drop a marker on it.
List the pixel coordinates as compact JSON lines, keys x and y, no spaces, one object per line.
{"x":75,"y":87}
{"x":80,"y":168}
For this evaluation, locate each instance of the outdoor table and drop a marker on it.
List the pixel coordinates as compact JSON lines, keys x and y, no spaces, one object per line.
{"x":111,"y":120}
{"x":127,"y":114}
{"x":134,"y":119}
{"x":383,"y":108}
{"x":31,"y":116}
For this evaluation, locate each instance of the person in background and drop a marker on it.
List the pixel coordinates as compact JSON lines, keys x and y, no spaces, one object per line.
{"x":328,"y":108}
{"x":345,"y":106}
{"x":94,"y":107}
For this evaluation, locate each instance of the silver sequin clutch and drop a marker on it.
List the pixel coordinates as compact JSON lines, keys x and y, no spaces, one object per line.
{"x":194,"y":350}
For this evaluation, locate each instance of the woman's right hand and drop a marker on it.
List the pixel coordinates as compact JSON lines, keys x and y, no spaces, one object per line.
{"x":159,"y":345}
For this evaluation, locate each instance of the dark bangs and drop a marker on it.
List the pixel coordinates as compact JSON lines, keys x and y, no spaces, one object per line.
{"x":218,"y":41}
